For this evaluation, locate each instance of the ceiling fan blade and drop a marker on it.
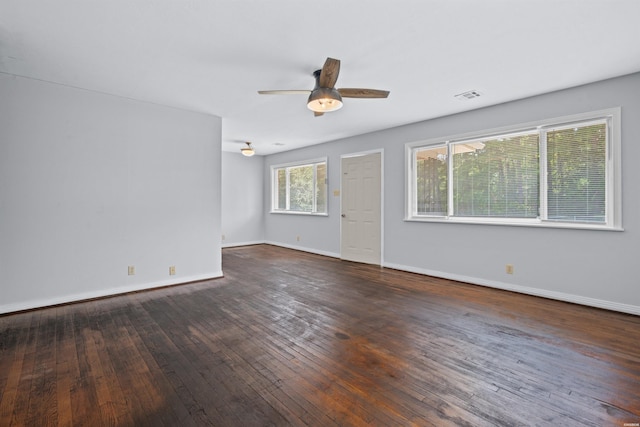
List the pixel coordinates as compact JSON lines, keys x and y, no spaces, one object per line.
{"x":284,"y":92}
{"x":317,"y":114}
{"x":329,"y":73}
{"x":363,"y":93}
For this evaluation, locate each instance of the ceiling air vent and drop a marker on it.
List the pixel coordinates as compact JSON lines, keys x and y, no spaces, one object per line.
{"x":467,"y":95}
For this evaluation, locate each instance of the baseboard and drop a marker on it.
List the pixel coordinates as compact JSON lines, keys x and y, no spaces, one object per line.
{"x":560,"y":296}
{"x":304,"y":249}
{"x":233,"y":245}
{"x":30,"y":305}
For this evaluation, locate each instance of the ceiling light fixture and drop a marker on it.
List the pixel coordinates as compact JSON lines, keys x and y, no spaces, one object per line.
{"x":324,"y":100}
{"x":248,"y":150}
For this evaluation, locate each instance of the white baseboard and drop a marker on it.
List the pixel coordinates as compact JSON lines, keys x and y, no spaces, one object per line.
{"x":29,"y":305}
{"x":304,"y":249}
{"x":233,"y":245}
{"x":560,"y":296}
{"x":576,"y":299}
{"x":285,"y":245}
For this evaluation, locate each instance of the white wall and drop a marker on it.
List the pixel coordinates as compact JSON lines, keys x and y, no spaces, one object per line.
{"x":242,"y":199}
{"x":90,"y":184}
{"x":590,"y":267}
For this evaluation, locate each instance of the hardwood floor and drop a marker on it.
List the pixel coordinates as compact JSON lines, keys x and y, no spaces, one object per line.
{"x":290,"y":338}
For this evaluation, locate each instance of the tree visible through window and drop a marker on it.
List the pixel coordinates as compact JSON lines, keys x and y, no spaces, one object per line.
{"x":431,"y":181}
{"x":300,"y":188}
{"x":496,"y":177}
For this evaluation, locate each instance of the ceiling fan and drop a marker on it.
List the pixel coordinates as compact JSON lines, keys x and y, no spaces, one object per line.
{"x":325,"y":97}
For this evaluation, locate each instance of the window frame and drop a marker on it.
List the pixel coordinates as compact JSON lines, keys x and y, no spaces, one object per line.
{"x":613,"y":174}
{"x":291,"y":165}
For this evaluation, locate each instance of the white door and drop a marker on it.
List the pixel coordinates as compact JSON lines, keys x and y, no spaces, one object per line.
{"x":361,"y":228}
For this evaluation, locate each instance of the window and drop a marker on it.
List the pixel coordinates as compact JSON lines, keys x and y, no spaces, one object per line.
{"x":300,"y":187}
{"x":565,"y":172}
{"x":576,"y":168}
{"x":496,"y":177}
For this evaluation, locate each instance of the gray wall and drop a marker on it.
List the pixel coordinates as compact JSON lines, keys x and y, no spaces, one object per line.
{"x":242,"y":200}
{"x":90,"y":184}
{"x":585,"y":266}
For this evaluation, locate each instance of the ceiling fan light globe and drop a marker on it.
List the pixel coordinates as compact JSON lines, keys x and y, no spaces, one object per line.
{"x":324,"y":100}
{"x":248,"y":151}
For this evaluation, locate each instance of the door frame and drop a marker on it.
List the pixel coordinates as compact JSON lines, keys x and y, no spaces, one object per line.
{"x":362,"y":154}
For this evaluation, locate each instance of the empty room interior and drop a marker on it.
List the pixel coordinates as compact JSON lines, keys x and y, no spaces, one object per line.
{"x":241,"y":213}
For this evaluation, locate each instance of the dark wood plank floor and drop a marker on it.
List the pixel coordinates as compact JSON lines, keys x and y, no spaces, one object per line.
{"x":289,"y":338}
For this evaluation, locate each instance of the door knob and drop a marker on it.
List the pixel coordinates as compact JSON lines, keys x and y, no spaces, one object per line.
{"x":343,"y":216}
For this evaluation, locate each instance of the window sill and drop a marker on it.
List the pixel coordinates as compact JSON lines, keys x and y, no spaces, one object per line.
{"x":515,"y":222}
{"x":299,"y":213}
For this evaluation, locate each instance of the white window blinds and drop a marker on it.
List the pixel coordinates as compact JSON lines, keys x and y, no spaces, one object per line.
{"x":576,"y":173}
{"x":496,"y":177}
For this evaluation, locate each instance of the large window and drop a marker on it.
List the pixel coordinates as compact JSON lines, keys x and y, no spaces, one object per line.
{"x":564,"y":172}
{"x":300,"y":187}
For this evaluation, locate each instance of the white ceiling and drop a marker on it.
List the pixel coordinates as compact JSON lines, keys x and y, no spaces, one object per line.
{"x":213,"y":56}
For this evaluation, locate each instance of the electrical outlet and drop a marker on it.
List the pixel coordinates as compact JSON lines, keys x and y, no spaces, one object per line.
{"x":509,"y":268}
{"x":172,"y":270}
{"x":223,"y":237}
{"x":297,"y":238}
{"x":131,"y":271}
